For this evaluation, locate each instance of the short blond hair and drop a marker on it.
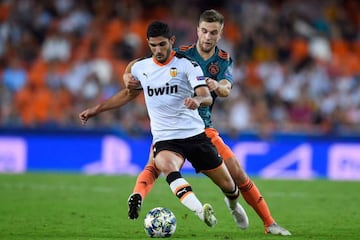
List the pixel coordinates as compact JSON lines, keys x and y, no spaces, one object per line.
{"x":211,"y":16}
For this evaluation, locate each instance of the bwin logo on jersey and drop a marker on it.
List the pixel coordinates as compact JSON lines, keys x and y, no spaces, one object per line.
{"x":173,"y":72}
{"x":162,"y":90}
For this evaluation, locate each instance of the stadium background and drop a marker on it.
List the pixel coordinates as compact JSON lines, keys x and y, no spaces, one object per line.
{"x":294,"y":110}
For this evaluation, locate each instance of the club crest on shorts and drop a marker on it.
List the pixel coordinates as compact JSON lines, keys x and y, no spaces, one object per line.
{"x":173,"y":72}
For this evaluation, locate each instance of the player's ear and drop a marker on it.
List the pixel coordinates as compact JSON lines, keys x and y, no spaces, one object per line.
{"x":198,"y":31}
{"x":221,"y":32}
{"x":172,"y":39}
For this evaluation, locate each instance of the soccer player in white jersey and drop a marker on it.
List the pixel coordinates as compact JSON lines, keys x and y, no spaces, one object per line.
{"x":174,"y":87}
{"x":205,"y":51}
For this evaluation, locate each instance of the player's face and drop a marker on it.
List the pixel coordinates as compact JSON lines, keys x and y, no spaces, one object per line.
{"x":209,"y":33}
{"x":161,"y":47}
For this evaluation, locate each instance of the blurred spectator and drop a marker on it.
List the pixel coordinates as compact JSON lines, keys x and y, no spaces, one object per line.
{"x":14,"y":75}
{"x":56,"y":47}
{"x":240,"y":115}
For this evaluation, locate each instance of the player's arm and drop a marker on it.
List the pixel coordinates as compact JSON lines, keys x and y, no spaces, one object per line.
{"x":128,"y":79}
{"x":118,"y":100}
{"x":221,"y":88}
{"x":202,"y":98}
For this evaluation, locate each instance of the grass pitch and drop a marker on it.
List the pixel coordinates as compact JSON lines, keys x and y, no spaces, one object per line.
{"x":71,"y":206}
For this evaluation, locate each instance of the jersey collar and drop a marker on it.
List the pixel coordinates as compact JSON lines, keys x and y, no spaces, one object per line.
{"x":171,"y":56}
{"x":210,"y":58}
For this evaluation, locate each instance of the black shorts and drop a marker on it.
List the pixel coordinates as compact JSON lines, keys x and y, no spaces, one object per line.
{"x":198,"y":150}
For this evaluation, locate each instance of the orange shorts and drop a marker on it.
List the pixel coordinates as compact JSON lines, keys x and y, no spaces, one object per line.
{"x":223,"y":149}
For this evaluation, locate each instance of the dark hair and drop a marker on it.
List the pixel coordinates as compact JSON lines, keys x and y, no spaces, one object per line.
{"x":158,"y":29}
{"x":211,"y":16}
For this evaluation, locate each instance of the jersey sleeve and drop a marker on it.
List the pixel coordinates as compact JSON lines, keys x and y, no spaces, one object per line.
{"x":228,"y":71}
{"x":134,"y":71}
{"x":195,"y":75}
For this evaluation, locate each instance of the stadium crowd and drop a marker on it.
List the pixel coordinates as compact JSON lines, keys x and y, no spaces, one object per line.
{"x":296,"y":64}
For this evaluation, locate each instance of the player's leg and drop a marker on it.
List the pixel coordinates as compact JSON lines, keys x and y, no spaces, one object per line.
{"x":253,"y":197}
{"x":170,"y":163}
{"x":248,"y":189}
{"x":221,"y":177}
{"x":143,"y":186}
{"x":204,"y":158}
{"x":147,"y":177}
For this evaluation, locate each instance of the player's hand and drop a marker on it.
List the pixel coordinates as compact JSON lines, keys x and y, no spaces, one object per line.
{"x":130,"y":82}
{"x":191,"y":103}
{"x":212,"y":84}
{"x":86,"y":114}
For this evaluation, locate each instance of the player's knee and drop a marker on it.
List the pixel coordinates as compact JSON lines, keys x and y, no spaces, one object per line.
{"x":167,"y":167}
{"x":228,"y":185}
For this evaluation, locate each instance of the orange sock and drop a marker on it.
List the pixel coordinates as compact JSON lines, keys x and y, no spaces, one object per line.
{"x":145,"y":180}
{"x":253,"y":197}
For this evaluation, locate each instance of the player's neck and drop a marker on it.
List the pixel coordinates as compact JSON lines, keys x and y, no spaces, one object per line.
{"x":205,"y":55}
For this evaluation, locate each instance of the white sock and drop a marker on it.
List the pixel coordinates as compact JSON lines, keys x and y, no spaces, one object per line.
{"x":233,"y":203}
{"x":188,"y":199}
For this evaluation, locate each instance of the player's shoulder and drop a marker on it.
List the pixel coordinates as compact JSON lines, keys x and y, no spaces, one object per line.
{"x":184,"y":57}
{"x":181,"y":55}
{"x":224,"y":55}
{"x":141,"y":60}
{"x":185,"y":48}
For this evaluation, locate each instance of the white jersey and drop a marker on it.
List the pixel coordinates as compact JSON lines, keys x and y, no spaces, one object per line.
{"x":165,"y":87}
